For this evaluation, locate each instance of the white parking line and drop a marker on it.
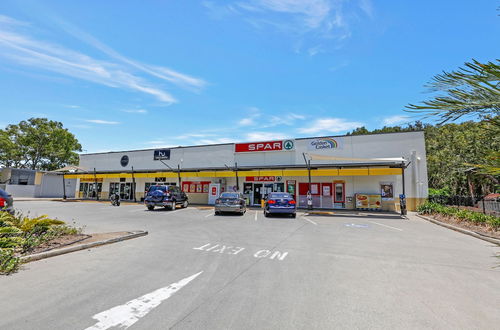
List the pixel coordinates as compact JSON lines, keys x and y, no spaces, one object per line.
{"x":386,"y":226}
{"x":125,"y":315}
{"x":255,"y":217}
{"x":314,"y":223}
{"x":209,"y":215}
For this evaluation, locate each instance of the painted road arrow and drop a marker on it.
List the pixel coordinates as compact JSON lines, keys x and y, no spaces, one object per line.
{"x":124,"y":316}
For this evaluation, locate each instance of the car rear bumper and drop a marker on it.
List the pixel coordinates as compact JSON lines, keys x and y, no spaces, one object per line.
{"x":229,"y":208}
{"x":289,"y":210}
{"x":163,"y":203}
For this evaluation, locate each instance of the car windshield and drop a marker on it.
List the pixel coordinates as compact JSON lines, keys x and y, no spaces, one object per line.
{"x":229,"y":195}
{"x":154,"y":188}
{"x":279,"y":195}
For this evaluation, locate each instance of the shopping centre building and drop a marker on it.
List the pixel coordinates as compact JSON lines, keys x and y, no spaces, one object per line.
{"x":340,"y":172}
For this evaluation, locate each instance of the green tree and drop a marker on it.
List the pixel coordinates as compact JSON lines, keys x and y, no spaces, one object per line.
{"x":38,"y":143}
{"x":460,"y":157}
{"x":472,"y":90}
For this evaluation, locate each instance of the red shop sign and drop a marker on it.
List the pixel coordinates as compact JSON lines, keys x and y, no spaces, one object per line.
{"x":259,"y":146}
{"x":260,"y":178}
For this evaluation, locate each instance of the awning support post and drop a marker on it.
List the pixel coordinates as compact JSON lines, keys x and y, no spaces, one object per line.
{"x":133,"y":185}
{"x":96,"y":190}
{"x":237,"y":179}
{"x":64,"y":188}
{"x":309,"y":195}
{"x":179,"y":174}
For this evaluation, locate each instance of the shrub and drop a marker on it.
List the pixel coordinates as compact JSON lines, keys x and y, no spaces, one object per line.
{"x":461,"y":214}
{"x":8,"y":261}
{"x":21,"y":234}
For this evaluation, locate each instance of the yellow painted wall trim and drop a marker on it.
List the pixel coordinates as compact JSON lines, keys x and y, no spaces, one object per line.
{"x":243,"y":174}
{"x":353,"y":171}
{"x":295,"y":173}
{"x":385,"y":171}
{"x":227,"y":174}
{"x":325,"y":172}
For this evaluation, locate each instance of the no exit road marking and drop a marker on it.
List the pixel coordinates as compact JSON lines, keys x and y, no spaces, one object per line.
{"x":234,"y":250}
{"x":123,"y":316}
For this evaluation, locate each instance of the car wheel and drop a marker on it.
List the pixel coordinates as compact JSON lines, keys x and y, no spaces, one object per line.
{"x":185,"y":204}
{"x":294,"y":215}
{"x":266,"y":214}
{"x":217,"y":213}
{"x":151,"y":207}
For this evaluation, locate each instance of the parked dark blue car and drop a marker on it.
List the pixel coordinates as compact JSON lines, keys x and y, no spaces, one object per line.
{"x":280,"y":203}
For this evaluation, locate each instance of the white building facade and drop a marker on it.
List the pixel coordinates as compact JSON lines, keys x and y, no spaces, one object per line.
{"x":340,"y":172}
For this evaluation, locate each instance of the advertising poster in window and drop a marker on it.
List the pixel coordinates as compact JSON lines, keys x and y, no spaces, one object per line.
{"x":387,"y":191}
{"x":314,"y":189}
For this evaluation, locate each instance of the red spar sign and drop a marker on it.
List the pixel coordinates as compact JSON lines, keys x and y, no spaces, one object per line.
{"x":259,"y":146}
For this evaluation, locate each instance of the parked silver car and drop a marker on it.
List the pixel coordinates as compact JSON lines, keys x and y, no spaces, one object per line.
{"x":6,"y":202}
{"x":230,"y":202}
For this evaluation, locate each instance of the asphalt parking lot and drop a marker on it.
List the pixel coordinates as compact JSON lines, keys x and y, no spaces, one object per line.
{"x":199,"y":271}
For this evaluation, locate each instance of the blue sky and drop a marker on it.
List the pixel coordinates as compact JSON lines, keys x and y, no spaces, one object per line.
{"x":143,"y":74}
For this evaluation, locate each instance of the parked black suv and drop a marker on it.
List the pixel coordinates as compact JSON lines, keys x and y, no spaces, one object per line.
{"x":165,"y":196}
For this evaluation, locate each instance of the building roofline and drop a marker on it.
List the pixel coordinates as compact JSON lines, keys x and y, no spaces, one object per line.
{"x":250,"y":168}
{"x":232,"y":143}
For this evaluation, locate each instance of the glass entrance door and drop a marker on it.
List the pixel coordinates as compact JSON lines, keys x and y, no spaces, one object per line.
{"x":257,"y":193}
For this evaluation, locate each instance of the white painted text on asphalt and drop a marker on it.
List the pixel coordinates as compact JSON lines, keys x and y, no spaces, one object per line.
{"x":233,"y":250}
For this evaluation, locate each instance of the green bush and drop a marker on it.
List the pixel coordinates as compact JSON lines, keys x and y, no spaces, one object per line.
{"x":461,"y":214}
{"x":8,"y":261}
{"x":20,"y":234}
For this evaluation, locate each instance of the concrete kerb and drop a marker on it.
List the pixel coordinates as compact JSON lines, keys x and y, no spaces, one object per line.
{"x":461,"y":230}
{"x":53,"y":253}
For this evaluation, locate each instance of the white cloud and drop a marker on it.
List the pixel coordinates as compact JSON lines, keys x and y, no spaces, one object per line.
{"x":367,"y":7}
{"x":140,"y":111}
{"x":19,"y":47}
{"x":101,"y":122}
{"x":311,"y":21}
{"x":157,"y":71}
{"x":397,"y":119}
{"x":250,"y":119}
{"x":330,"y":125}
{"x":265,"y":136}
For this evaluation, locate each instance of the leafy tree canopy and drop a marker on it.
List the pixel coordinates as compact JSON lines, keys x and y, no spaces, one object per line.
{"x":38,"y":143}
{"x":460,"y":157}
{"x":471,"y":90}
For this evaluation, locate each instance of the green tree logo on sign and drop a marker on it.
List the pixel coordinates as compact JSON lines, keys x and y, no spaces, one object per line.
{"x":288,"y":145}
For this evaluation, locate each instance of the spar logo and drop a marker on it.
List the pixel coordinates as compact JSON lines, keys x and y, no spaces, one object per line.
{"x":323,"y":143}
{"x":288,"y":145}
{"x":264,"y":146}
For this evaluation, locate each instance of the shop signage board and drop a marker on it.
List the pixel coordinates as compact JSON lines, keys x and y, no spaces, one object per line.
{"x":368,"y":201}
{"x":283,"y":145}
{"x":161,"y":154}
{"x":325,"y":144}
{"x":261,"y":178}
